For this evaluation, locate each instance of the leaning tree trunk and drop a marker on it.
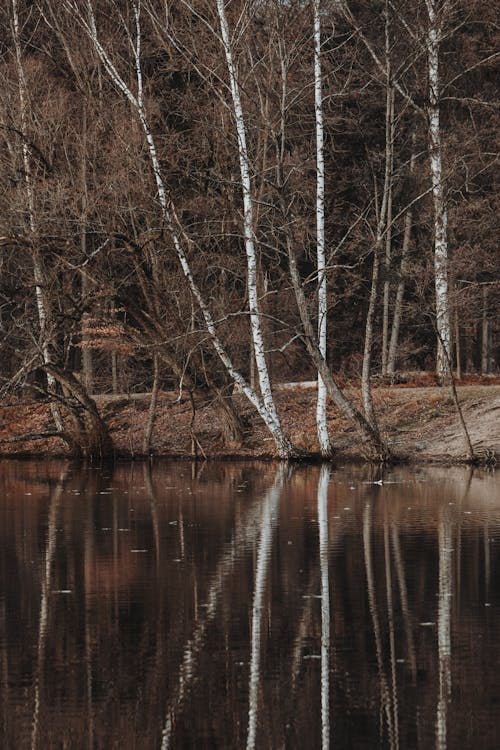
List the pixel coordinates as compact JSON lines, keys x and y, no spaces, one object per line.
{"x":400,"y":290}
{"x":90,"y":437}
{"x":374,"y":446}
{"x":248,"y":225}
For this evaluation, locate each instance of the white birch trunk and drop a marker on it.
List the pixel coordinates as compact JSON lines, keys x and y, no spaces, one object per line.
{"x":323,"y":437}
{"x":248,"y":232}
{"x":41,"y":302}
{"x":285,"y":449}
{"x":440,"y":213}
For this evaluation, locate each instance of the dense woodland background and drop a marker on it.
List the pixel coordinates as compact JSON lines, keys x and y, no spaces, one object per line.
{"x":91,"y":281}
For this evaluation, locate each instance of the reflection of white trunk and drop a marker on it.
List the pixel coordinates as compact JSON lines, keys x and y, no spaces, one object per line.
{"x":392,"y":637}
{"x":248,"y":220}
{"x":372,"y":601}
{"x":444,"y":629}
{"x":245,"y":534}
{"x":323,"y":437}
{"x":440,"y":214}
{"x":44,"y":603}
{"x":403,"y":593}
{"x":324,"y":478}
{"x":88,"y":23}
{"x":269,"y":516}
{"x":88,"y":567}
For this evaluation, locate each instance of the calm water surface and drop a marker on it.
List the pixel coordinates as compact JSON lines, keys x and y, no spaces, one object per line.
{"x":248,"y":606}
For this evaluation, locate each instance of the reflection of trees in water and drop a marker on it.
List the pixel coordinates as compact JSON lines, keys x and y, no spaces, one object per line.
{"x":314,"y":623}
{"x":324,"y":478}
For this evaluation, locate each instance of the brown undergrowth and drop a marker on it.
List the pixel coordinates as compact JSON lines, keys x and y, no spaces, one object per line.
{"x":418,"y":422}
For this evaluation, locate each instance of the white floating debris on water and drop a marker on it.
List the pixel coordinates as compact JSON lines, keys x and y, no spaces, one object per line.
{"x":139,"y":550}
{"x":105,"y":528}
{"x":61,"y":591}
{"x":426,"y":624}
{"x":487,"y":604}
{"x":123,"y":529}
{"x":347,"y":509}
{"x":312,"y":656}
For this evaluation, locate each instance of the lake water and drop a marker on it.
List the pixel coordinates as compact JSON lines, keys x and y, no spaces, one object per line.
{"x":246,"y":605}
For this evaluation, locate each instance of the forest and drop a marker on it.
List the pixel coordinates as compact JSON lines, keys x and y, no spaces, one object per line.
{"x":215,"y":197}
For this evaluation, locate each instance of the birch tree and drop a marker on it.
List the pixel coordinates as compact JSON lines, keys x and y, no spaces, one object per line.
{"x":42,"y":303}
{"x":265,"y":404}
{"x":323,"y":437}
{"x":436,"y":13}
{"x":248,"y":222}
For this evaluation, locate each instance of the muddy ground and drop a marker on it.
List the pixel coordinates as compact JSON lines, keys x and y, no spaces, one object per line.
{"x":419,"y":424}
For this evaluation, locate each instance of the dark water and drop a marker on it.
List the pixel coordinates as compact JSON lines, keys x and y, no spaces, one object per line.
{"x":248,"y":606}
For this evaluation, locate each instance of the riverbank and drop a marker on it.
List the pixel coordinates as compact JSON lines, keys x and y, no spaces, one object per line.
{"x":420,"y":424}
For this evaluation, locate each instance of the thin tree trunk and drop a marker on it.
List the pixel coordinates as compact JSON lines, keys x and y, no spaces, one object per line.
{"x":375,"y":447}
{"x":248,"y":224}
{"x":38,"y":271}
{"x":366,"y":388}
{"x":146,"y":445}
{"x":485,"y":353}
{"x":323,"y":436}
{"x":382,"y":224}
{"x":440,"y":213}
{"x":87,"y":365}
{"x":398,"y":303}
{"x":458,"y":349}
{"x":388,"y":241}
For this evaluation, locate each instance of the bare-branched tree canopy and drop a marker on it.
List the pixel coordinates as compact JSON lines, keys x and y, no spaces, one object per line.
{"x":211,"y":195}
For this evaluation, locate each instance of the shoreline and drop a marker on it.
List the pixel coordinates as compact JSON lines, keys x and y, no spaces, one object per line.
{"x":420,"y":425}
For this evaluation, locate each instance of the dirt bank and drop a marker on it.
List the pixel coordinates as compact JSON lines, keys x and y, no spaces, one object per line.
{"x":419,"y":424}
